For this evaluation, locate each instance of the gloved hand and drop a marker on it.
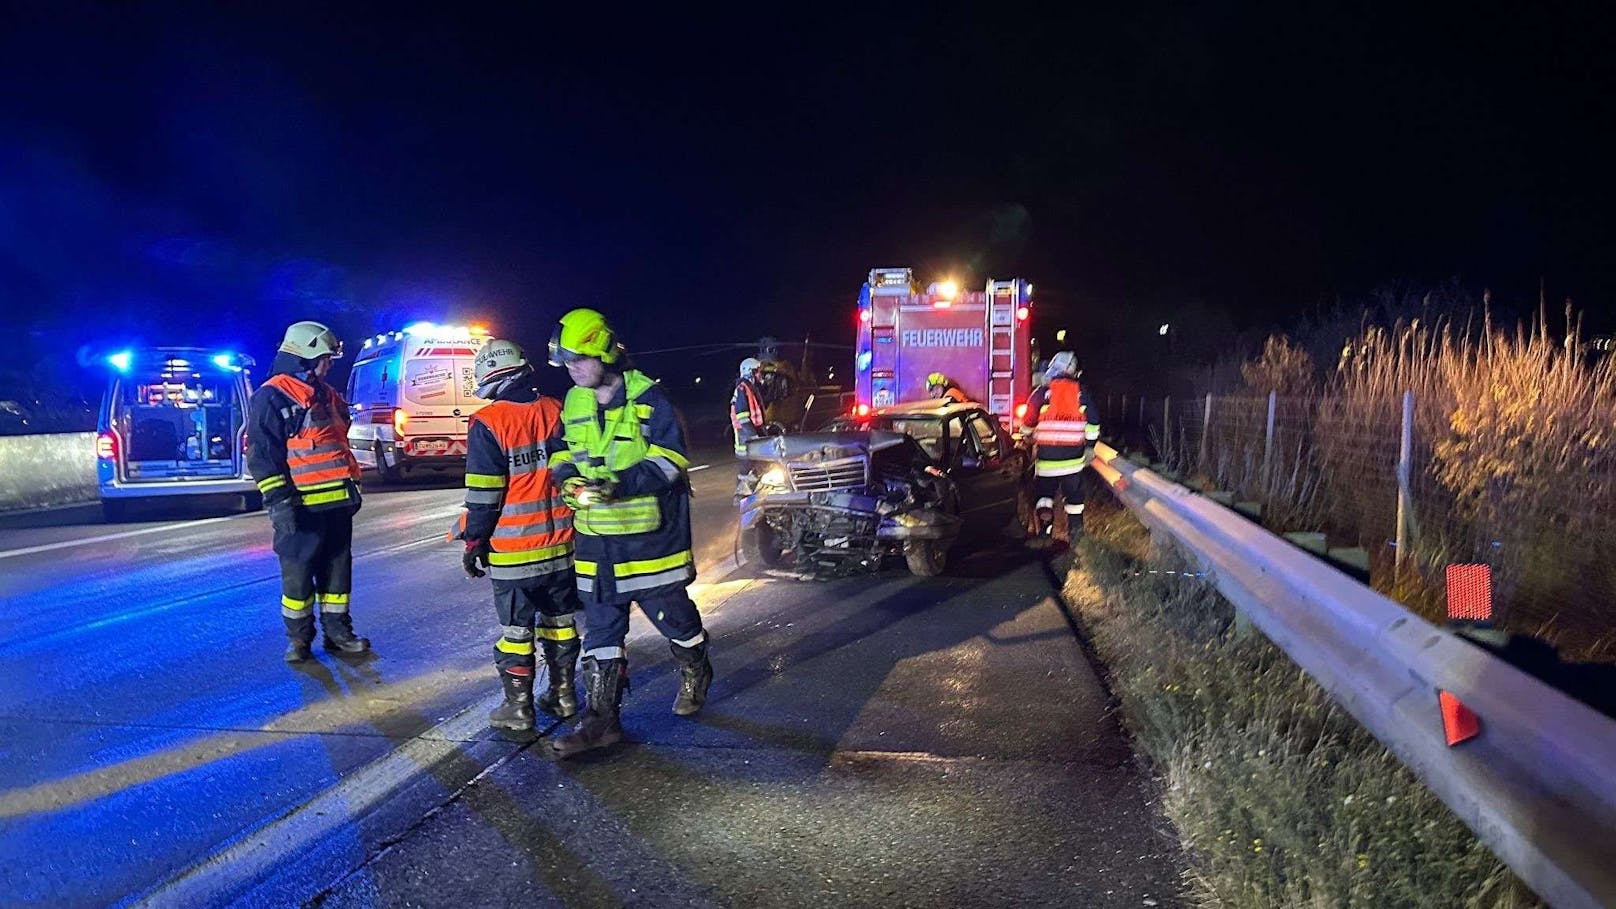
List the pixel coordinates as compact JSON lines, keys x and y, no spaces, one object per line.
{"x":283,"y":517}
{"x":475,"y":560}
{"x":570,"y":489}
{"x":596,"y":493}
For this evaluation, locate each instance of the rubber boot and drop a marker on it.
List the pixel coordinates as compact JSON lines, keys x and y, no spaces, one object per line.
{"x":605,"y":680}
{"x":1046,"y":522}
{"x":517,"y":711}
{"x":299,"y":637}
{"x":560,"y":699}
{"x":695,"y":674}
{"x":339,"y":634}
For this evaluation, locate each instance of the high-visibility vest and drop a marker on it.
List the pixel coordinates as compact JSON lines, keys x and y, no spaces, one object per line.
{"x":956,"y":394}
{"x":534,"y":534}
{"x":322,"y":466}
{"x":645,"y":538}
{"x":1063,"y":431}
{"x":752,"y":416}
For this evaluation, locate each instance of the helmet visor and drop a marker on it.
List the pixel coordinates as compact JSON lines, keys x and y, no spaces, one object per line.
{"x":560,"y":356}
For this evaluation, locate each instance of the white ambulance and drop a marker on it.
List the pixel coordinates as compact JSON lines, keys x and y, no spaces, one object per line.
{"x":413,"y":395}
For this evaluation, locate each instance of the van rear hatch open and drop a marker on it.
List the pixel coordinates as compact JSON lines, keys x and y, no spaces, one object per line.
{"x":174,"y":423}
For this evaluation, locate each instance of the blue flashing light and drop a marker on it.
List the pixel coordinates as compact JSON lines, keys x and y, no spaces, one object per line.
{"x":420,"y":329}
{"x":224,"y":361}
{"x":863,"y":360}
{"x":121,"y":360}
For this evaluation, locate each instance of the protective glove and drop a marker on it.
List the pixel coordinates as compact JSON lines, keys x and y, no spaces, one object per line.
{"x":597,"y":493}
{"x":475,"y":560}
{"x":283,"y":517}
{"x":570,"y":488}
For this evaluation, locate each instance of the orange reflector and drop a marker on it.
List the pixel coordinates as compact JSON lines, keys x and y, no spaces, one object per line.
{"x":1459,"y":723}
{"x":1470,"y":592}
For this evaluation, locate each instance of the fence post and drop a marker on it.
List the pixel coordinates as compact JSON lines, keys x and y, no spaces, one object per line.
{"x":1405,"y":504}
{"x":1122,"y":413}
{"x":1206,"y":430}
{"x":1167,"y":428}
{"x":1141,"y":413}
{"x":1268,"y":441}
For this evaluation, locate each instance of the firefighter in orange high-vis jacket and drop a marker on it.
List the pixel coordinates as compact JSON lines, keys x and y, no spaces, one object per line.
{"x":518,"y":531}
{"x":298,"y":454}
{"x":942,"y":387}
{"x":747,"y":418}
{"x":1064,"y":433}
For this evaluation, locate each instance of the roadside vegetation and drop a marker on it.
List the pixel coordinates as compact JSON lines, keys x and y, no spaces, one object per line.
{"x":1279,"y":797}
{"x":1514,"y":463}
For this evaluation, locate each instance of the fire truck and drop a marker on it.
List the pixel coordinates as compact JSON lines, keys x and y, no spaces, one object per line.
{"x":980,"y":339}
{"x":413,"y":395}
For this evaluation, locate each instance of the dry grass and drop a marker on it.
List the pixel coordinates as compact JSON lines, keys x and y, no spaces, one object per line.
{"x":1279,"y":796}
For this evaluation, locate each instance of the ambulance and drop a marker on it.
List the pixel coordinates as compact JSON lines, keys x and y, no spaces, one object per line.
{"x":412,"y":395}
{"x":980,"y":339}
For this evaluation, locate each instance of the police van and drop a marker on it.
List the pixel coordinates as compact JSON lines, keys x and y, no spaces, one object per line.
{"x":412,"y":394}
{"x":173,"y":422}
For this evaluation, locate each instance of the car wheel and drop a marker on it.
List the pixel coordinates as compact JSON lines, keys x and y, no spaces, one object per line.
{"x":384,"y":472}
{"x":115,"y":511}
{"x":761,"y":546}
{"x":252,"y":501}
{"x":926,"y":558}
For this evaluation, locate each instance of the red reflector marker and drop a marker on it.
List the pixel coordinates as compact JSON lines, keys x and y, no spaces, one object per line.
{"x":1459,"y":723}
{"x":1470,"y":593}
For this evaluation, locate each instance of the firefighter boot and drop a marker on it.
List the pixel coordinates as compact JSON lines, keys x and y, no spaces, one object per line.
{"x":1046,"y":522}
{"x":299,"y":635}
{"x":517,"y":711}
{"x":339,"y":634}
{"x":560,"y":699}
{"x":605,"y":681}
{"x":695,"y":674}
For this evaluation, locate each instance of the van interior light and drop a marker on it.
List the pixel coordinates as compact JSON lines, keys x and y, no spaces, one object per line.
{"x":121,"y":360}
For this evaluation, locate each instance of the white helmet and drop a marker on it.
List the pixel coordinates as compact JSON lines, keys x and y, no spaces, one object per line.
{"x":311,"y":340}
{"x":1062,"y":364}
{"x":497,"y":361}
{"x":750,"y":366}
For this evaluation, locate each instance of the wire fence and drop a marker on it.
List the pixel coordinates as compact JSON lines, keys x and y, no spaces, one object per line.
{"x":1539,"y":516}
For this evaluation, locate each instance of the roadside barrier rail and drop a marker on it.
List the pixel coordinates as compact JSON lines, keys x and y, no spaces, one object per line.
{"x":1537,"y":785}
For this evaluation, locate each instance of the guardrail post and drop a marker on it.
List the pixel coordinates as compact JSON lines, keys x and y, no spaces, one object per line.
{"x":1405,"y":502}
{"x":1268,"y":440}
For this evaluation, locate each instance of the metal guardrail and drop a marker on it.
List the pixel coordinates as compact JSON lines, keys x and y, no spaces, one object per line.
{"x":1537,"y":786}
{"x":42,"y":470}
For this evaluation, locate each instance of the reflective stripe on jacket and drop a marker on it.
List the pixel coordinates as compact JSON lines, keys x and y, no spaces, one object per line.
{"x":1060,"y":428}
{"x":533,"y":535}
{"x":321,"y":466}
{"x":639,"y":543}
{"x":746,"y":414}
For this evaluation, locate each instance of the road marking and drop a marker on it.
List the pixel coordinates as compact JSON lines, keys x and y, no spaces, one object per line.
{"x":69,"y":544}
{"x":698,"y":467}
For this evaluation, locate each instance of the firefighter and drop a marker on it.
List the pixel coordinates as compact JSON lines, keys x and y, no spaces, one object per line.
{"x":624,"y":475}
{"x":746,"y":415}
{"x":941,"y":386}
{"x":518,"y":532}
{"x":300,"y":458}
{"x":1057,"y":412}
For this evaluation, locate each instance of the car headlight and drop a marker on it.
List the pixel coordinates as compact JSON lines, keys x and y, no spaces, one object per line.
{"x":774,"y":477}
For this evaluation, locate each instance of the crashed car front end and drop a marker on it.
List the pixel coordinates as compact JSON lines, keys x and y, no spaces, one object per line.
{"x":839,"y":502}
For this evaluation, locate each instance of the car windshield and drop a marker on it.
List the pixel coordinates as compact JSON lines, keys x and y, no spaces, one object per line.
{"x":927,"y":430}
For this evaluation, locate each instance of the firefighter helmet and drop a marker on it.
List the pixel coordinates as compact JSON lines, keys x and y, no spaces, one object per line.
{"x":936,"y":380}
{"x":750,"y":366}
{"x":310,"y":341}
{"x":1062,"y":364}
{"x":583,"y":333}
{"x":498,"y":360}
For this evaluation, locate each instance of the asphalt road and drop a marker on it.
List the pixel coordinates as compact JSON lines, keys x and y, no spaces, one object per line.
{"x":870,"y":741}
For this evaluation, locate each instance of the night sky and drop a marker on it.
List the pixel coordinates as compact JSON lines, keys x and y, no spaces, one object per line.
{"x":223,"y":171}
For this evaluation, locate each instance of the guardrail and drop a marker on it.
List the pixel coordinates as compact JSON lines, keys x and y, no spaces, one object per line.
{"x":1537,"y":786}
{"x":56,"y":469}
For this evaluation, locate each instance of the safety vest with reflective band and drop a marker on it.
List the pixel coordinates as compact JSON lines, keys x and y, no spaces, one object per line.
{"x":955,"y":394}
{"x":321,"y":466}
{"x":643,"y":541}
{"x":534,"y":533}
{"x":745,"y":422}
{"x":1062,"y":432}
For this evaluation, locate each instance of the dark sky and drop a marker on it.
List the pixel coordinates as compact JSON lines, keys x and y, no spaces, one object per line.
{"x":230,"y":170}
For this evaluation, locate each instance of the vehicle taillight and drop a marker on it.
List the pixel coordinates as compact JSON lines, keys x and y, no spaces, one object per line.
{"x":1021,"y":410}
{"x":106,"y":446}
{"x":1021,"y":314}
{"x":401,"y":418}
{"x":864,"y":315}
{"x":863,"y":410}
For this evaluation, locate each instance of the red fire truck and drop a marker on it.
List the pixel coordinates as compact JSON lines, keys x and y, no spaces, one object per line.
{"x":980,"y":339}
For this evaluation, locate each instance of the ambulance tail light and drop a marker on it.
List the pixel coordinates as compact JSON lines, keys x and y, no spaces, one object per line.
{"x":401,"y":419}
{"x":106,"y":446}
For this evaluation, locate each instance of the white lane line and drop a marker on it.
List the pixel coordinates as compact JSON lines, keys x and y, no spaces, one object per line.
{"x":69,"y":544}
{"x":698,"y":467}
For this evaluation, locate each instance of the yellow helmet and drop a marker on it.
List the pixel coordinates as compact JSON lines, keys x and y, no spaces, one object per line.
{"x":936,"y":380}
{"x":584,"y":333}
